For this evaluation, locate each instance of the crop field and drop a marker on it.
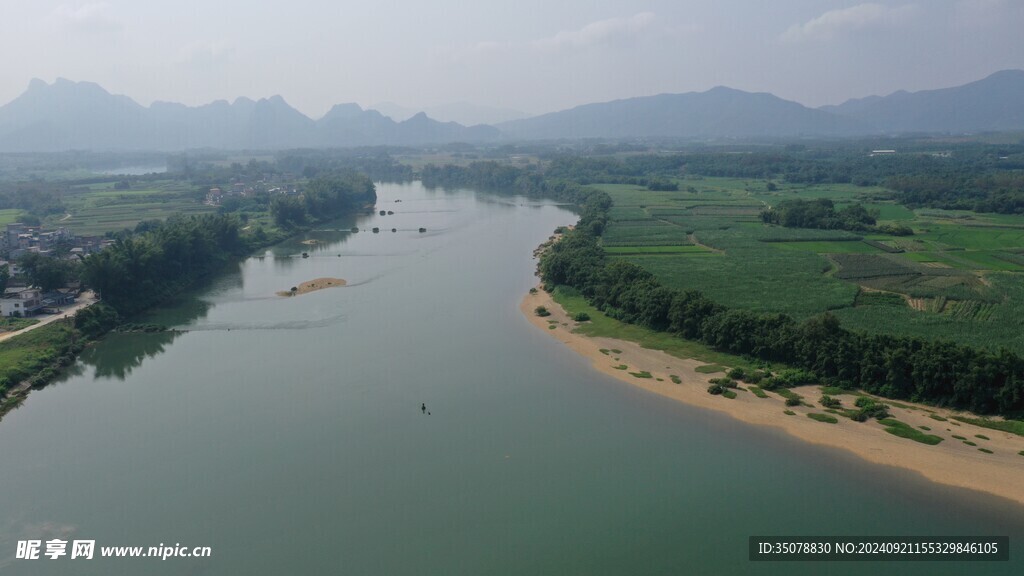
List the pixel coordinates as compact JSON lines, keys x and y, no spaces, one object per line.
{"x":644,"y":233}
{"x":887,"y":211}
{"x":99,"y":208}
{"x":959,"y":277}
{"x":655,"y":250}
{"x":828,"y":247}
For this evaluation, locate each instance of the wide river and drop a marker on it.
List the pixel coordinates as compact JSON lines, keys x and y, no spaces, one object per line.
{"x":286,"y":433}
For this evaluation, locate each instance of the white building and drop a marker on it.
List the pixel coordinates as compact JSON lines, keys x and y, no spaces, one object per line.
{"x":20,"y":302}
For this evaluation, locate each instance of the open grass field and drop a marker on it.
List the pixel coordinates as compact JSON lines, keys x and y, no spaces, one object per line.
{"x":959,"y":277}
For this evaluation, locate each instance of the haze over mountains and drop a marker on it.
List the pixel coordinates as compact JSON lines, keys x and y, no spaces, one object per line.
{"x":464,"y":113}
{"x":81,"y":115}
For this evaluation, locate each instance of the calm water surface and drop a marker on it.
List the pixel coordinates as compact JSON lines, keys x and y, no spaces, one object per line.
{"x":286,"y":434}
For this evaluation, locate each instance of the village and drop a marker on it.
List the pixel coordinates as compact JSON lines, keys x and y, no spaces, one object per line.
{"x":23,"y":298}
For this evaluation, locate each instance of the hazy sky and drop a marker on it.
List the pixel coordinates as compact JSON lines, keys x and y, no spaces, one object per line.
{"x":535,"y":56}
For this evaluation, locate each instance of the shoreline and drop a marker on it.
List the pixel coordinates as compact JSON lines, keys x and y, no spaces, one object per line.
{"x":951,"y":462}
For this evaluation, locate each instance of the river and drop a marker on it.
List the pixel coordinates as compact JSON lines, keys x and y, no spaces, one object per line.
{"x":287,"y":434}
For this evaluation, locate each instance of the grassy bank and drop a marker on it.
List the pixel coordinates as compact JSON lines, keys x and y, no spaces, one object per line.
{"x":33,"y":359}
{"x":600,"y":325}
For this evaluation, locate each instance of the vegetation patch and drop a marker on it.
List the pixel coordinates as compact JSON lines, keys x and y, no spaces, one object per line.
{"x":829,"y":402}
{"x":982,"y":436}
{"x":675,"y":379}
{"x":757,"y":391}
{"x":643,"y":374}
{"x":621,"y":367}
{"x":1011,"y":426}
{"x":11,"y":324}
{"x":904,"y":430}
{"x":822,"y":417}
{"x":937,"y":417}
{"x":836,"y":391}
{"x":985,"y":450}
{"x":710,"y":369}
{"x":789,"y":413}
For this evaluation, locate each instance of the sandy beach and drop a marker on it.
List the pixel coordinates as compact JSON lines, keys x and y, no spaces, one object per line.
{"x":312,"y":286}
{"x":951,"y":462}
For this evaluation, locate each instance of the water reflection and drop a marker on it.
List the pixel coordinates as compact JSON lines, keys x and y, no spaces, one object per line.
{"x":122,"y":353}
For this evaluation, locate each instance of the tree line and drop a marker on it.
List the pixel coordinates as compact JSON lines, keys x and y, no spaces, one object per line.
{"x":141,"y":270}
{"x":323,"y":197}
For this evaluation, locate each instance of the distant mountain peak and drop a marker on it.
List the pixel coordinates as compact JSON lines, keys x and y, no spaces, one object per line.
{"x":993,"y":104}
{"x":1011,"y":74}
{"x":343,"y":111}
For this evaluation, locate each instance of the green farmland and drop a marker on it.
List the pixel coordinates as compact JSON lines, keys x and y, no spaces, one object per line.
{"x":99,"y":208}
{"x":960,"y":276}
{"x":9,"y":215}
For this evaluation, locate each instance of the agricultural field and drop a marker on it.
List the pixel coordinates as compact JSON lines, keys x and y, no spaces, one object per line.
{"x":99,"y":208}
{"x":9,"y":215}
{"x":960,"y":276}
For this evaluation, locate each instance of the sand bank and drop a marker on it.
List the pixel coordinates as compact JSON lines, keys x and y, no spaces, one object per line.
{"x":951,"y":462}
{"x":312,"y":286}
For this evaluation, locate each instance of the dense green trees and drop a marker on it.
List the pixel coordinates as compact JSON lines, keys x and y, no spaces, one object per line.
{"x":48,"y":273}
{"x":819,"y":213}
{"x":323,"y":198}
{"x":141,"y":270}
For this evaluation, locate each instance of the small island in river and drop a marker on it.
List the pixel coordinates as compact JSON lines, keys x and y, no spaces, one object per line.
{"x":312,"y":286}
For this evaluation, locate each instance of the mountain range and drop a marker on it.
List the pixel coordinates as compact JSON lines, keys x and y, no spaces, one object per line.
{"x":82,"y":115}
{"x":993,"y":104}
{"x":69,"y":115}
{"x":462,"y":112}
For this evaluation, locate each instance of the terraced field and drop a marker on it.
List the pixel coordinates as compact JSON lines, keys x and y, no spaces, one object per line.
{"x":98,"y":208}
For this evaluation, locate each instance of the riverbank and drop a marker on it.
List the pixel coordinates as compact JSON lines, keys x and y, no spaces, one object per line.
{"x":954,"y":461}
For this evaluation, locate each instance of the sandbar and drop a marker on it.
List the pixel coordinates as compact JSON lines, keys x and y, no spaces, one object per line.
{"x":312,"y":286}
